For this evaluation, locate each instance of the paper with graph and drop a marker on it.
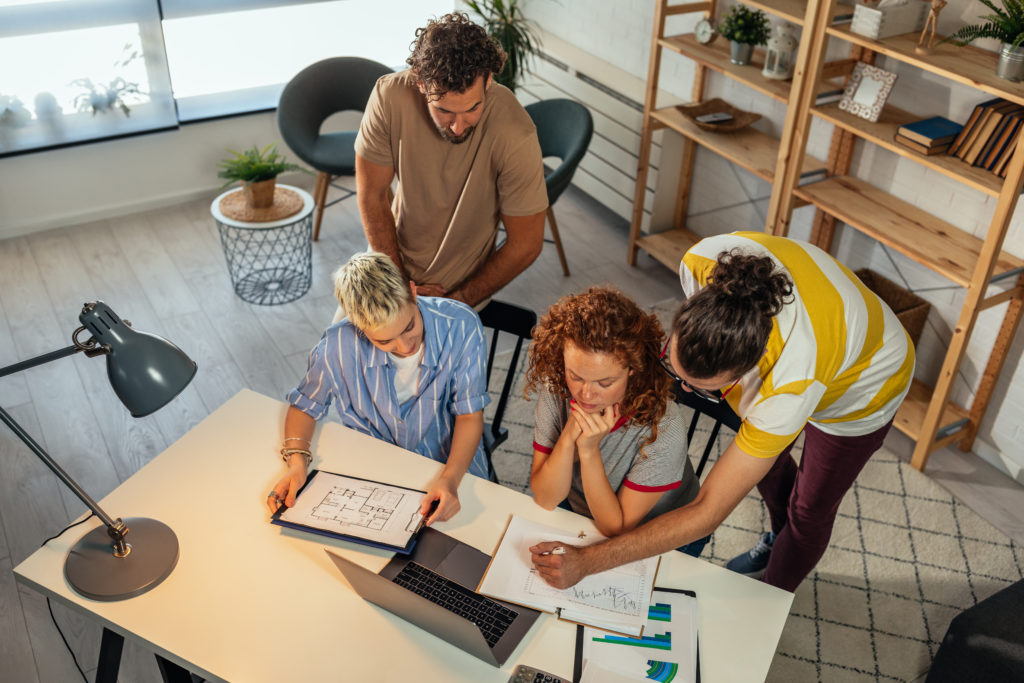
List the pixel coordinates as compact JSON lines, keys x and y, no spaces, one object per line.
{"x":666,"y":652}
{"x":616,"y":599}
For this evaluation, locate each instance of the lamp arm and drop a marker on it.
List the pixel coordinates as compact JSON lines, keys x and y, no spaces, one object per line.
{"x":61,"y":474}
{"x":39,"y":360}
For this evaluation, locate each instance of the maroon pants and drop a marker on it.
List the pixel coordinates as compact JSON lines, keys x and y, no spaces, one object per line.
{"x":803,"y":501}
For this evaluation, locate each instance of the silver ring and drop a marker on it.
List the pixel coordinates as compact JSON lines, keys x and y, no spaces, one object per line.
{"x":273,"y":494}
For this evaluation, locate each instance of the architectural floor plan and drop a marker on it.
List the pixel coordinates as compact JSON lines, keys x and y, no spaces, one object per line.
{"x":368,"y":505}
{"x":347,"y":506}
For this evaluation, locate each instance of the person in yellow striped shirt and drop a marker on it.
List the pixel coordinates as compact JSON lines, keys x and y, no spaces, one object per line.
{"x":796,"y":344}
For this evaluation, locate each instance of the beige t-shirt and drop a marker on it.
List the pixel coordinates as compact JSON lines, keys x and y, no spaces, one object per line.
{"x":450,"y":197}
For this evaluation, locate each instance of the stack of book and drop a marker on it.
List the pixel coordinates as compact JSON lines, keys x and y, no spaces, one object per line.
{"x":929,"y":136}
{"x":990,"y":135}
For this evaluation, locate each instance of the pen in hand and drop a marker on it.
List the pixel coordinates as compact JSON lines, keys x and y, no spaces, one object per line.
{"x":554,"y":551}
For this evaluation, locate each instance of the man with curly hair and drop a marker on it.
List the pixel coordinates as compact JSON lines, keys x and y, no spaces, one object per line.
{"x":466,"y":156}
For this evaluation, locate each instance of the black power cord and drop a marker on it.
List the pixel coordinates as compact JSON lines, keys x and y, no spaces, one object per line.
{"x":50,"y":607}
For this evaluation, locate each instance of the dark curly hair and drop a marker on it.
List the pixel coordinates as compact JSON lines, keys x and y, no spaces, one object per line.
{"x":604,"y":320}
{"x":725,"y":326}
{"x":450,"y":53}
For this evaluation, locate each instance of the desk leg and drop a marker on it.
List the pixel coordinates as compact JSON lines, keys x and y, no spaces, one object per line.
{"x":171,"y":672}
{"x":110,"y":657}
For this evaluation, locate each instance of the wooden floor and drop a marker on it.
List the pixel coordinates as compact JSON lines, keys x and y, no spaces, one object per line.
{"x":164,"y":271}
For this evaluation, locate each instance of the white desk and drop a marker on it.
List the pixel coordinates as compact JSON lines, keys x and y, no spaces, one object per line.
{"x":252,"y":602}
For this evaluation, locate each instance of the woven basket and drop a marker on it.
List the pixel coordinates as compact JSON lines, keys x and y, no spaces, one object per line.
{"x":911,"y":309}
{"x":740,"y":119}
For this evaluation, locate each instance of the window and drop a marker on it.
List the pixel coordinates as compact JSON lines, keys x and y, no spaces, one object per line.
{"x":94,"y":69}
{"x":85,"y":70}
{"x":225,"y":60}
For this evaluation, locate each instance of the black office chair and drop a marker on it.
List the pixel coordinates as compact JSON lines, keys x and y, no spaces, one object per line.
{"x":720,"y":414}
{"x":519,"y":322}
{"x":311,"y":96}
{"x":564,"y":128}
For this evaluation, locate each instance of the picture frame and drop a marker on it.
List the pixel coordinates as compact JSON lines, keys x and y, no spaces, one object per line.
{"x":867,"y":91}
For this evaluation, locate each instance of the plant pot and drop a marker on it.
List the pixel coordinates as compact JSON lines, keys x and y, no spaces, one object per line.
{"x":1011,"y":63}
{"x":259,"y":195}
{"x":740,"y":53}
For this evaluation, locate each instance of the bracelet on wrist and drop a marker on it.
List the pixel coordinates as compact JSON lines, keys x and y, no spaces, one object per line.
{"x":287,"y":453}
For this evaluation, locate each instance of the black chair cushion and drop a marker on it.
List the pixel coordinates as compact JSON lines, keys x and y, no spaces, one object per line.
{"x":984,"y":642}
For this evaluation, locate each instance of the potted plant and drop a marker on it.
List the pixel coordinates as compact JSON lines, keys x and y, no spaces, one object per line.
{"x":103,"y":98}
{"x":744,"y":28}
{"x":1005,"y":24}
{"x":13,"y":112}
{"x":504,"y":22}
{"x":258,"y":170}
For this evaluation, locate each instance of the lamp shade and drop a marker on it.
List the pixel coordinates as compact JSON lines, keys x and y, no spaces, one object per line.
{"x":146,"y":371}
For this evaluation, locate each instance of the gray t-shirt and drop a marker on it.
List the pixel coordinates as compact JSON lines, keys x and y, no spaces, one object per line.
{"x":663,"y":465}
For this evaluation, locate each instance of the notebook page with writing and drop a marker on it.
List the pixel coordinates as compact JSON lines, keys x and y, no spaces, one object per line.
{"x":616,"y":599}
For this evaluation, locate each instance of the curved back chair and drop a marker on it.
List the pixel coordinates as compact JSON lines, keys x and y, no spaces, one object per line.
{"x":321,"y":89}
{"x":519,"y":322}
{"x":564,"y":128}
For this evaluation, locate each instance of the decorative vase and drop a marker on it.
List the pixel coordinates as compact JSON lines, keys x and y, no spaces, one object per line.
{"x":740,"y":53}
{"x":259,"y":195}
{"x":1011,"y":63}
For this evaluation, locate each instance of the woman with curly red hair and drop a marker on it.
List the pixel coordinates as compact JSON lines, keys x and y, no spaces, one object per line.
{"x":607,"y":437}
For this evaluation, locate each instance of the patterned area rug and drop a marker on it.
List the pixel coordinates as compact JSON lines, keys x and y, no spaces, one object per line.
{"x":905,"y":558}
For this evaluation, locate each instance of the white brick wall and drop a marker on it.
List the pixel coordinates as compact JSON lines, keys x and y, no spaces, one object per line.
{"x":725,"y":197}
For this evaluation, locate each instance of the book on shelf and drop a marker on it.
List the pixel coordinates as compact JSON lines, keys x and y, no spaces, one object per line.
{"x":615,"y":600}
{"x":922,"y":149}
{"x":986,"y":124}
{"x":935,"y":130}
{"x":965,"y":132}
{"x":1003,"y":162}
{"x":999,"y":136}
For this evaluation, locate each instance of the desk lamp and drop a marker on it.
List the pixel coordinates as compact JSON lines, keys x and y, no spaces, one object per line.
{"x":146,"y":372}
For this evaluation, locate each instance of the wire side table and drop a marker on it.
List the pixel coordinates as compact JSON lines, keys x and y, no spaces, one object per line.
{"x":269,"y":262}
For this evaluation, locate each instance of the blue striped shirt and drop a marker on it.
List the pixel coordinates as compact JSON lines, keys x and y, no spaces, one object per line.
{"x":346,"y":367}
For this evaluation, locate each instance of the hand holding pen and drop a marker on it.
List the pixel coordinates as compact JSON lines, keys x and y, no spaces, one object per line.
{"x":559,"y":564}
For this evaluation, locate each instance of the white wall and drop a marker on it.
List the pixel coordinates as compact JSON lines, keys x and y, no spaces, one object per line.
{"x":104,"y":179}
{"x":727,"y":198}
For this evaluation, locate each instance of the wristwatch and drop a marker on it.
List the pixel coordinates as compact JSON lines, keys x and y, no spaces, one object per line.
{"x":704,"y":31}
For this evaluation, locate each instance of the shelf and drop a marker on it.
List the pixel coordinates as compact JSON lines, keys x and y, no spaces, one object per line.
{"x":883,"y":133}
{"x":668,"y":247}
{"x":911,"y":412}
{"x":715,"y":56}
{"x":793,"y":11}
{"x":911,"y":231}
{"x":969,"y":65}
{"x":749,"y":148}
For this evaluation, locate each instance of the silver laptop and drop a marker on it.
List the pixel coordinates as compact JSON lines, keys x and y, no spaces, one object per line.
{"x":433,"y":589}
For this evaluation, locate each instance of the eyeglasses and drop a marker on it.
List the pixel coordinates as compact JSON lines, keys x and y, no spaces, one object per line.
{"x":712,"y":396}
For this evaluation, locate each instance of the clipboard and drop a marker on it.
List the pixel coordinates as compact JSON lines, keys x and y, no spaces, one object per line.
{"x":325,"y":530}
{"x":577,"y":667}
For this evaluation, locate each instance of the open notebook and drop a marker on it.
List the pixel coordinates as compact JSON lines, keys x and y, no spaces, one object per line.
{"x":616,"y":600}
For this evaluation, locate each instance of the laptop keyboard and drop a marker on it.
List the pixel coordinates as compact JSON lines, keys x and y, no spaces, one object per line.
{"x":492,"y":618}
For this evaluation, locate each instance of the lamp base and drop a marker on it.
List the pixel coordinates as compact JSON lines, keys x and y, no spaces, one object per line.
{"x":92,"y":569}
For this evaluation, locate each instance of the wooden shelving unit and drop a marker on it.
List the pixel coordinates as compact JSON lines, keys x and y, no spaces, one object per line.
{"x":927,"y":415}
{"x":750,"y":149}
